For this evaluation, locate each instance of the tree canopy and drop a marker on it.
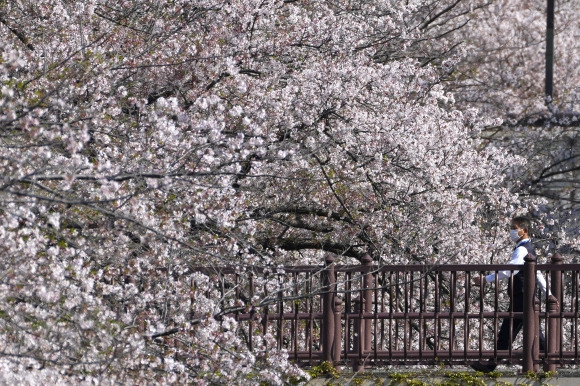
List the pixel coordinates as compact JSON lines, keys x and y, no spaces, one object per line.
{"x":142,"y":138}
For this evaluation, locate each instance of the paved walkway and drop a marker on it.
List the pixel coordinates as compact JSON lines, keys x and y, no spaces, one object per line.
{"x":565,"y":377}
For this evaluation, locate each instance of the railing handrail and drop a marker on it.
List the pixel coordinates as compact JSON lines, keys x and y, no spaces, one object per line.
{"x":384,"y":268}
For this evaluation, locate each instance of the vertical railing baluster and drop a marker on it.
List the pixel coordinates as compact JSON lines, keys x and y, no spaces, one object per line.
{"x":536,"y":333}
{"x":358,"y":341}
{"x":392,"y":287}
{"x":375,"y":319}
{"x":383,"y":292}
{"x":295,"y":323}
{"x":280,"y":324}
{"x":328,"y":291}
{"x":252,"y":312}
{"x":348,"y":307}
{"x":481,"y":308}
{"x":555,"y":323}
{"x":406,"y":330}
{"x":467,"y":301}
{"x":452,"y":288}
{"x":437,"y":302}
{"x":496,"y":319}
{"x":409,"y":308}
{"x":307,"y":305}
{"x":396,"y":301}
{"x":421,"y":321}
{"x":575,"y":289}
{"x":308,"y":331}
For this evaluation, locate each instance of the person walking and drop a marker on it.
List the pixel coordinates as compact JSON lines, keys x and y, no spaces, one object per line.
{"x":519,"y":234}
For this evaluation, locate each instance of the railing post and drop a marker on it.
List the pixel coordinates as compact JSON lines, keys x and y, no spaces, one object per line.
{"x":367,"y":261}
{"x":553,"y":339}
{"x":530,"y":318}
{"x":337,"y":346}
{"x":327,"y":309}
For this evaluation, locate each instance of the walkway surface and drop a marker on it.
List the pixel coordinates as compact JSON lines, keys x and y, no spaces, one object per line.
{"x":449,"y":377}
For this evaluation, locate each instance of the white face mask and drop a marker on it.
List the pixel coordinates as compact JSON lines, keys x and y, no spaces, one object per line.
{"x":514,"y":235}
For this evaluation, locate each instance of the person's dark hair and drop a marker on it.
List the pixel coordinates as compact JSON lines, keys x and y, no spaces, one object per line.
{"x":523,"y":222}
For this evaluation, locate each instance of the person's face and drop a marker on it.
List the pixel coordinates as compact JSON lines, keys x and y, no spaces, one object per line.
{"x":521,"y":231}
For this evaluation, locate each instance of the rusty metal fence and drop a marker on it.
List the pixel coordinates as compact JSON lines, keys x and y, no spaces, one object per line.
{"x":369,"y":315}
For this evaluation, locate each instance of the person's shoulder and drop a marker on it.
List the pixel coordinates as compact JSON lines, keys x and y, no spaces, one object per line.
{"x":525,"y":248}
{"x":521,"y":249}
{"x":529,"y":246}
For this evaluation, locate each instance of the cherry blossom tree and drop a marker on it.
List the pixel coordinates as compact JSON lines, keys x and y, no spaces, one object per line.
{"x":504,"y":76}
{"x":141,"y":139}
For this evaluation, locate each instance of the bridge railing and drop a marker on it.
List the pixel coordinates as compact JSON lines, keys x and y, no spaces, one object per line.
{"x":369,"y":315}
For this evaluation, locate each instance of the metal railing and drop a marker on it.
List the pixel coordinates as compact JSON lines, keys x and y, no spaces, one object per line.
{"x":369,"y":315}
